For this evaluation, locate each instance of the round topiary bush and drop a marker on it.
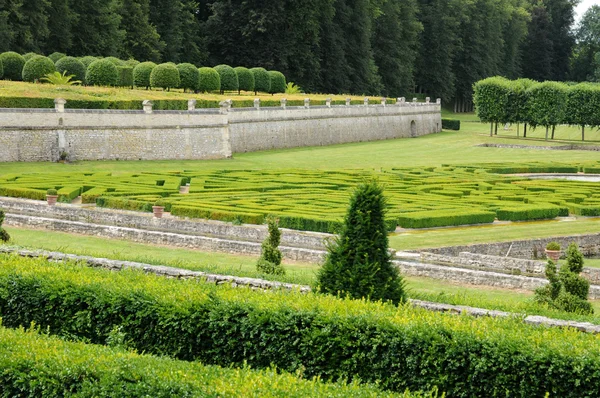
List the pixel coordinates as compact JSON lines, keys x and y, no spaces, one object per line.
{"x":141,"y":74}
{"x":102,"y":73}
{"x":72,"y":66}
{"x":87,"y":61}
{"x":28,"y":56}
{"x":165,"y":76}
{"x":13,"y":65}
{"x":116,"y":61}
{"x":209,"y":80}
{"x":245,"y":79}
{"x":277,"y":82}
{"x":229,"y":79}
{"x":36,"y":68}
{"x":262,"y":80}
{"x":1,"y":70}
{"x":132,"y":62}
{"x":55,"y":56}
{"x":189,"y":76}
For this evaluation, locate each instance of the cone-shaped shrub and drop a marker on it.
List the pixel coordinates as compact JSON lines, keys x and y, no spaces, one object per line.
{"x":358,"y":263}
{"x":262,"y":80}
{"x":72,"y":66}
{"x":270,"y":257}
{"x":102,"y":73}
{"x":13,"y":65}
{"x":165,"y":76}
{"x":189,"y":77}
{"x":37,"y":67}
{"x":245,"y":79}
{"x":209,"y":80}
{"x":141,"y":74}
{"x":4,"y":236}
{"x":229,"y":79}
{"x":277,"y":82}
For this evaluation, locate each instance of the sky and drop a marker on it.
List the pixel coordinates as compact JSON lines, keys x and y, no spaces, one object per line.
{"x":583,"y":6}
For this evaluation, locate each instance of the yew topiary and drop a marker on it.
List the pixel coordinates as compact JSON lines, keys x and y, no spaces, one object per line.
{"x":210,"y":80}
{"x":358,"y":264}
{"x":87,"y":61}
{"x":270,"y":257}
{"x":4,"y":236}
{"x":13,"y":65}
{"x":36,"y":68}
{"x":165,"y":76}
{"x":28,"y":56}
{"x":141,"y":74}
{"x":278,"y":83}
{"x":72,"y":66}
{"x":116,"y":61}
{"x":229,"y":79}
{"x":102,"y":73}
{"x":55,"y":56}
{"x":189,"y":77}
{"x":245,"y":79}
{"x":262,"y":80}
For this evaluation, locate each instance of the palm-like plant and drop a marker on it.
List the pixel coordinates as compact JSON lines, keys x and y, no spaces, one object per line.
{"x":292,"y":88}
{"x":60,"y":79}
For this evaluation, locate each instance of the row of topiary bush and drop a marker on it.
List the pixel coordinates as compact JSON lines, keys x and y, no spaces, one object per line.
{"x":112,"y":71}
{"x":547,"y":104}
{"x":400,"y":347}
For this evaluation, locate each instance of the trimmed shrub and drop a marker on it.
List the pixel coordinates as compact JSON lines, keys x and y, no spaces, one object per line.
{"x":141,"y":74}
{"x":132,"y":62}
{"x":270,"y":256}
{"x":278,"y":83}
{"x":210,"y":80}
{"x":262,"y":80}
{"x":28,"y":56}
{"x":245,"y":79}
{"x":87,"y":61}
{"x":13,"y":65}
{"x":102,"y":73}
{"x":445,"y":218}
{"x":451,"y":124}
{"x":358,"y":264}
{"x":125,"y":76}
{"x":4,"y":236}
{"x":189,"y":77}
{"x":72,"y":66}
{"x":547,"y":103}
{"x":116,"y":61}
{"x":165,"y":76}
{"x":1,"y":69}
{"x":528,"y":212}
{"x":55,"y":56}
{"x":228,"y":77}
{"x":37,"y":67}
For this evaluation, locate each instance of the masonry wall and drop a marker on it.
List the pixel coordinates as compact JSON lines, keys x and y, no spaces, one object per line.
{"x":44,"y":134}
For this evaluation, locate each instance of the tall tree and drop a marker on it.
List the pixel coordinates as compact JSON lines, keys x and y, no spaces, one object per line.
{"x":96,"y":30}
{"x":166,"y":16}
{"x":141,"y":40}
{"x":562,"y":17}
{"x":588,"y":46}
{"x":6,"y":31}
{"x":60,"y":25}
{"x":538,"y":48}
{"x":28,"y":21}
{"x":515,"y":32}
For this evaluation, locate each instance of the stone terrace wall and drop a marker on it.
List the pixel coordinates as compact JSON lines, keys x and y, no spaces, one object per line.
{"x":44,"y":134}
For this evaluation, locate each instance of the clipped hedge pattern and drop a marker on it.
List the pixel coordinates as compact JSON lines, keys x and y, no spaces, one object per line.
{"x":324,"y":336}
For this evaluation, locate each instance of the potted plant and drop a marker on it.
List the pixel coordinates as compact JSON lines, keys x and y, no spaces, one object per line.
{"x":51,"y":196}
{"x":158,"y":209}
{"x":553,"y":251}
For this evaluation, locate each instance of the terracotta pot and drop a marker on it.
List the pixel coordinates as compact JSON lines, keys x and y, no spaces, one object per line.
{"x":553,"y":255}
{"x":51,"y":199}
{"x":158,"y":211}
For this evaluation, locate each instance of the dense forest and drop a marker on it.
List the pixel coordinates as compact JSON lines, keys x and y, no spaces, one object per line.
{"x":388,"y":47}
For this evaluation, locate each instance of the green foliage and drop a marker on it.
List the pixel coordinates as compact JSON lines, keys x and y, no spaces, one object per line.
{"x":102,"y":72}
{"x":490,"y":97}
{"x":358,"y":263}
{"x":546,"y":103}
{"x":262,"y":80}
{"x":28,"y":56}
{"x":60,"y":79}
{"x":55,"y":56}
{"x":116,"y":61}
{"x":444,"y":218}
{"x":1,"y":69}
{"x":270,"y":256}
{"x":125,"y":76}
{"x":210,"y":80}
{"x":528,"y":212}
{"x":553,"y":246}
{"x":86,"y":61}
{"x":4,"y":236}
{"x":141,"y":74}
{"x":228,"y":77}
{"x":574,"y":258}
{"x":278,"y":83}
{"x":71,"y":66}
{"x":189,"y":76}
{"x":165,"y":76}
{"x":245,"y":79}
{"x":292,"y":88}
{"x":451,"y":124}
{"x":132,"y":62}
{"x":37,"y":67}
{"x":51,"y":191}
{"x":12,"y":63}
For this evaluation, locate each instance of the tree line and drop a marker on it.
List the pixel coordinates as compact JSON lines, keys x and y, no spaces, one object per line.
{"x":386,"y":47}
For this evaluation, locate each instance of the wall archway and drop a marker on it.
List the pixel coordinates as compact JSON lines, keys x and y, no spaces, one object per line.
{"x":413,"y":129}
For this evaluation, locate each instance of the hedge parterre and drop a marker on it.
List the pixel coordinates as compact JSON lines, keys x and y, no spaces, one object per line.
{"x":316,"y":200}
{"x":397,"y":347}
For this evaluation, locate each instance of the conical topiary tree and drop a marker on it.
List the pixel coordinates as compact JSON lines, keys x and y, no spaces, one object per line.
{"x":4,"y":236}
{"x":358,"y":263}
{"x":270,"y":257}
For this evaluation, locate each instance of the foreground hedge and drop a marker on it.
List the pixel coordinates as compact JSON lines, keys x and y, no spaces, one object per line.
{"x":444,"y":218}
{"x":320,"y":335}
{"x":41,"y":366}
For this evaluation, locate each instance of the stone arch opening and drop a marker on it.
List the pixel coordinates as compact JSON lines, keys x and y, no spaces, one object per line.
{"x":413,"y":129}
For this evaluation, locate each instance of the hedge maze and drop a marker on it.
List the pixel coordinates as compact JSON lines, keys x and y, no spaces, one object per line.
{"x":316,"y":200}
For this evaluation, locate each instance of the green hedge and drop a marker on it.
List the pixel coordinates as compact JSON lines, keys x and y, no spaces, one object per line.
{"x":102,"y":72}
{"x":262,"y":80}
{"x":228,"y":77}
{"x":444,"y":218}
{"x":35,"y":365}
{"x":12,"y":63}
{"x":36,"y":68}
{"x":219,"y":215}
{"x":125,"y":76}
{"x":165,"y":76}
{"x":318,"y":335}
{"x":209,"y":80}
{"x":141,"y":74}
{"x":528,"y":212}
{"x":189,"y":77}
{"x":72,"y":66}
{"x":451,"y":124}
{"x":124,"y":204}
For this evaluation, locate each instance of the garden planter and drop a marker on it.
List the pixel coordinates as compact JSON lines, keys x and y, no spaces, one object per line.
{"x":158,"y":211}
{"x":553,"y":255}
{"x":184,"y":189}
{"x":51,"y":199}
